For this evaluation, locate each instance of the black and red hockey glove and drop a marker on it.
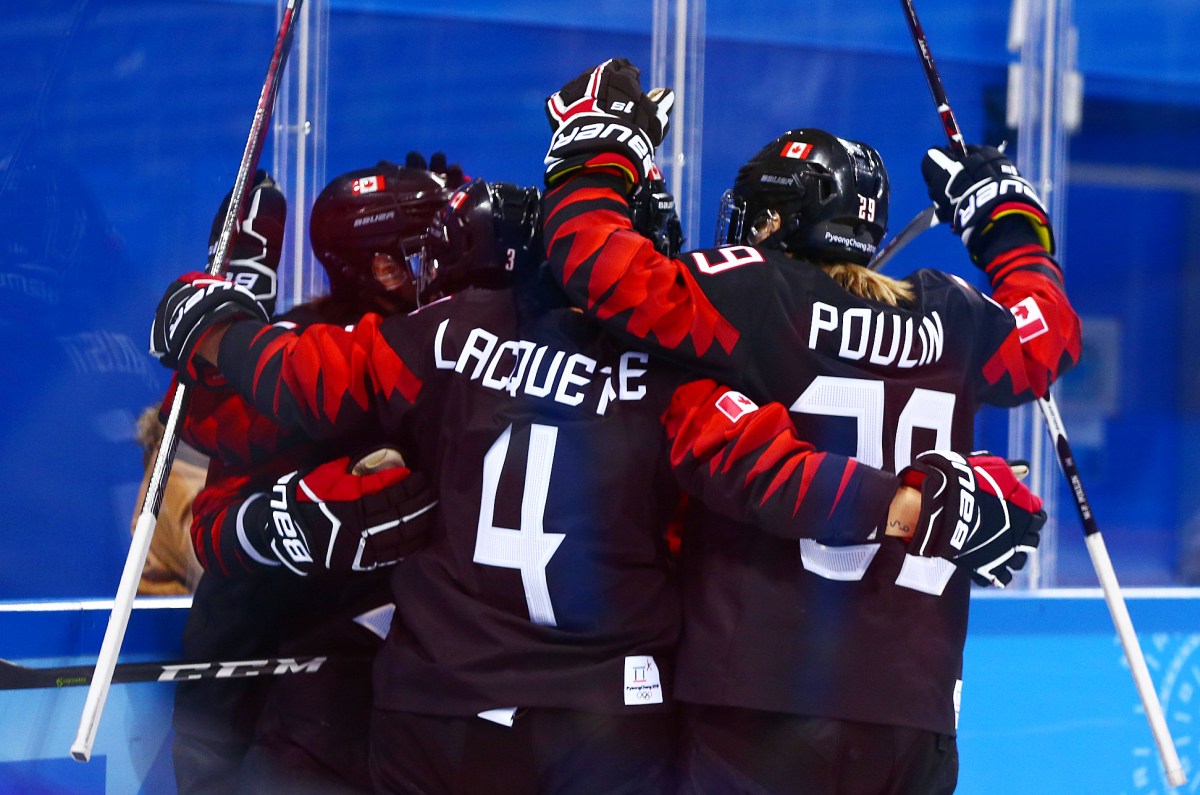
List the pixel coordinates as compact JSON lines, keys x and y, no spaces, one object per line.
{"x":341,"y":516}
{"x":979,"y":193}
{"x":974,"y":513}
{"x":603,"y":119}
{"x":451,"y":174}
{"x":258,"y":242}
{"x":191,"y":307}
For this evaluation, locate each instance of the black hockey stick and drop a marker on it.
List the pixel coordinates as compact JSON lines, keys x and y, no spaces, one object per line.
{"x":118,"y":621}
{"x":22,"y":677}
{"x":1066,"y":461}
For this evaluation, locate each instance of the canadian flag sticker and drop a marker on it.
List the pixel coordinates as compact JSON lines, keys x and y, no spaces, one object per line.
{"x":1030,"y":322}
{"x":796,"y":150}
{"x":735,"y":405}
{"x":367,"y":185}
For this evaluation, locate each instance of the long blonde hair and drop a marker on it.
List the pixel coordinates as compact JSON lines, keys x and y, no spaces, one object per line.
{"x":866,"y":283}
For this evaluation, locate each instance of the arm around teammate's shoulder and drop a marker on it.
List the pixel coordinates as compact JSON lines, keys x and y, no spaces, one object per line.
{"x":747,"y":462}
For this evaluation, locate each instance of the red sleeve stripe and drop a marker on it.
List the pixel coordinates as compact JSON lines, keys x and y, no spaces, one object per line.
{"x":847,"y":476}
{"x":1022,"y":256}
{"x":810,"y":471}
{"x":785,"y":473}
{"x":624,"y":273}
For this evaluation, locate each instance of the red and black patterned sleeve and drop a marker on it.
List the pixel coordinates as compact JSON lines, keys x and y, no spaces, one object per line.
{"x":328,"y":380}
{"x":616,"y":275}
{"x":215,"y":512}
{"x":1047,"y":338}
{"x":224,"y":426}
{"x":746,"y":461}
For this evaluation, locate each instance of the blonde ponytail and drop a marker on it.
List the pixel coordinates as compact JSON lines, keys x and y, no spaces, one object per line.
{"x":866,"y":283}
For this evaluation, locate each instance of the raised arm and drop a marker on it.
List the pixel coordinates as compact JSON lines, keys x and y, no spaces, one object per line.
{"x":1001,"y":221}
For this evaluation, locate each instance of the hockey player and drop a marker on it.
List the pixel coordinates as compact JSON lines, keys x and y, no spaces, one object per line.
{"x":811,"y":668}
{"x":532,"y":646}
{"x":301,"y":733}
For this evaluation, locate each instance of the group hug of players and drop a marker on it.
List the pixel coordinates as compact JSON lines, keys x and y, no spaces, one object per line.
{"x":573,"y":511}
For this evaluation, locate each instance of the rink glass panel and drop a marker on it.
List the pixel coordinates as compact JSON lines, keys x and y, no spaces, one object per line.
{"x":124,"y":122}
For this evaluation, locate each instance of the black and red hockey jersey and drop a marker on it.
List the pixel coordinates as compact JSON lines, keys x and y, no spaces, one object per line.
{"x":857,"y":632}
{"x":548,"y":581}
{"x":246,"y":608}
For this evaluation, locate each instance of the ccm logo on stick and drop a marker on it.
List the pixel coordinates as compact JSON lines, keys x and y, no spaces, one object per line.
{"x":240,"y":669}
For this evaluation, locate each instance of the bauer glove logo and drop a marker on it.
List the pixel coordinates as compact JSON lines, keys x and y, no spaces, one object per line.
{"x":287,"y":534}
{"x":636,"y":141}
{"x":966,"y":523}
{"x":1015,"y":186}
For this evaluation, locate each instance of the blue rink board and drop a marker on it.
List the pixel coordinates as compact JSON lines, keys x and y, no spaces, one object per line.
{"x":1048,"y":708}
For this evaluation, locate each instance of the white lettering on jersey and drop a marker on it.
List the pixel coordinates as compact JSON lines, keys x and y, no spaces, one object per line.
{"x":626,"y":386}
{"x":883,"y":338}
{"x":571,"y":378}
{"x":731,"y":257}
{"x":479,"y":347}
{"x":527,"y":548}
{"x":523,"y":367}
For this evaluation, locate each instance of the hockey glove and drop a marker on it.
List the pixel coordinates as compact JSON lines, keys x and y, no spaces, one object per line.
{"x":452,"y":174}
{"x":603,"y":119}
{"x":258,"y":242}
{"x":976,"y":192}
{"x":340,"y":516}
{"x":974,"y":513}
{"x":192,"y":305}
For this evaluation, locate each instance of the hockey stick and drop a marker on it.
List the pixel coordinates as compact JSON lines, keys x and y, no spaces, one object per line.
{"x":1066,"y":461}
{"x":118,"y":621}
{"x":22,"y":677}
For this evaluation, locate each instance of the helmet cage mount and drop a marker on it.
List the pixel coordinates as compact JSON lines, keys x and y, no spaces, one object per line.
{"x":652,"y":213}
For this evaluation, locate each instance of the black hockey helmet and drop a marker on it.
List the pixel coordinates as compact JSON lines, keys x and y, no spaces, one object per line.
{"x":811,"y":194}
{"x":384,"y":209}
{"x":652,"y":210}
{"x":487,"y":234}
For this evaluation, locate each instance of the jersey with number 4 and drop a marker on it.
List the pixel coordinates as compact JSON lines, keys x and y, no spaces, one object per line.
{"x":859,"y":631}
{"x":557,"y":455}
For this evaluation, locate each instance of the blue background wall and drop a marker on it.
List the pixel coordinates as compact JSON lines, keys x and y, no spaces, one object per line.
{"x":123,"y":122}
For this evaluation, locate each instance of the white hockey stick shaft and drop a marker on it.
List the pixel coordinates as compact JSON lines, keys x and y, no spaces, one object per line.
{"x":1113,"y":597}
{"x":1066,"y":461}
{"x":139,"y":548}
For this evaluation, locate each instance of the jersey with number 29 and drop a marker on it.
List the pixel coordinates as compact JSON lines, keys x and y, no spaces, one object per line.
{"x":849,"y":631}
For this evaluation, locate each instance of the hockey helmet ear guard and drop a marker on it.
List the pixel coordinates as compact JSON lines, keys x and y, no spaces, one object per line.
{"x":811,"y":194}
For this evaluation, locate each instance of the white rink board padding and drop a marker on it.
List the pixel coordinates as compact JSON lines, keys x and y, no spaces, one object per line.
{"x":132,"y":752}
{"x":1048,"y":706}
